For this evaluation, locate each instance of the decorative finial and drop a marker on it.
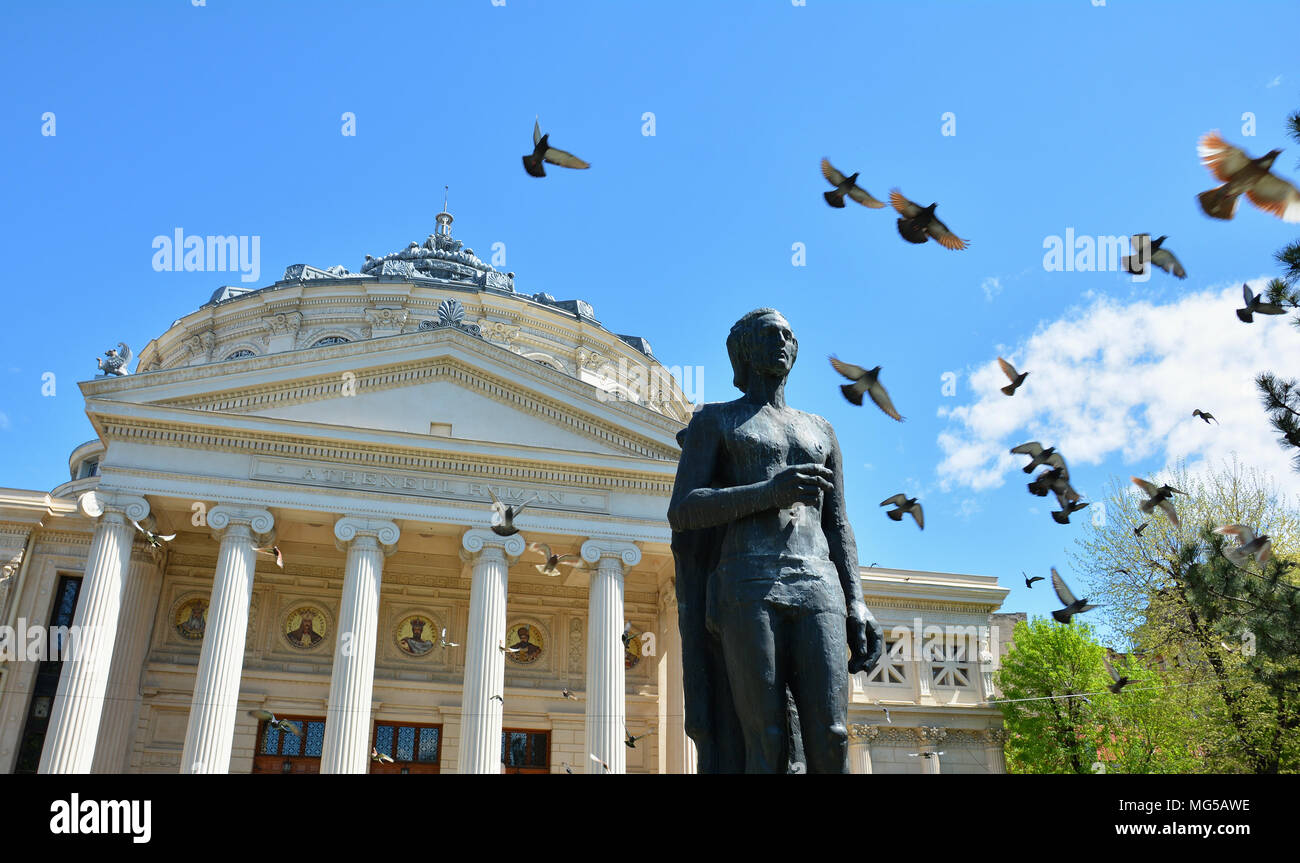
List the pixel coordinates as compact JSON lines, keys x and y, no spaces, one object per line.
{"x":444,"y":218}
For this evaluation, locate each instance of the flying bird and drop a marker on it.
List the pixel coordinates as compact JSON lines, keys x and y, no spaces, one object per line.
{"x":1145,"y":249}
{"x":1158,"y":497}
{"x":154,"y":539}
{"x":1240,"y":173}
{"x":1259,"y":546}
{"x":1256,"y":305}
{"x":376,"y":755}
{"x":553,"y":561}
{"x":274,"y":551}
{"x":1067,"y":509}
{"x":1137,"y":531}
{"x":443,"y":642}
{"x":1119,"y":682}
{"x":631,"y":740}
{"x":627,"y":633}
{"x":1017,"y":378}
{"x":567,"y":694}
{"x":905,"y":504}
{"x":503,"y":517}
{"x":603,"y":765}
{"x":865,"y":381}
{"x":846,"y":186}
{"x":1029,"y":582}
{"x":1038,"y":455}
{"x":279,"y":724}
{"x":1072,"y":606}
{"x":497,"y":698}
{"x":919,"y":224}
{"x":567,"y":768}
{"x":544,"y":152}
{"x":1203,"y":415}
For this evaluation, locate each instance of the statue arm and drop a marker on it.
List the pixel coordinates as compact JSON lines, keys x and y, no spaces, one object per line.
{"x":865,"y":637}
{"x":695,"y":504}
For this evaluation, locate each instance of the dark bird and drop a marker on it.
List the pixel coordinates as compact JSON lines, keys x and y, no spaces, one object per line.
{"x":154,"y":539}
{"x":553,"y":561}
{"x":1017,"y":378}
{"x":544,"y":152}
{"x":1240,"y":173}
{"x":919,"y":224}
{"x":497,"y":698}
{"x":905,"y":504}
{"x":1158,"y":497}
{"x":603,"y":765}
{"x":1067,"y":509}
{"x":503,"y":517}
{"x":865,"y":381}
{"x":443,"y":642}
{"x":279,"y":724}
{"x":1048,"y":480}
{"x":1038,"y":455}
{"x":567,"y":694}
{"x":1145,"y":249}
{"x":630,"y":741}
{"x":1120,"y":682}
{"x":1256,"y":305}
{"x":1137,"y":531}
{"x":1259,"y":546}
{"x":376,"y":755}
{"x":567,"y":768}
{"x":846,"y":186}
{"x":1029,"y":582}
{"x":1203,"y":415}
{"x":1072,"y":606}
{"x":627,"y":634}
{"x":274,"y":551}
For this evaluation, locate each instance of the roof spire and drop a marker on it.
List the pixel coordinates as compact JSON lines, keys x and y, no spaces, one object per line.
{"x":444,"y":218}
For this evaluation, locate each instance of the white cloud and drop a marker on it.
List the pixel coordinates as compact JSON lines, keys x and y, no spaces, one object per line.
{"x":1117,"y":382}
{"x":991,"y":286}
{"x":1274,"y":82}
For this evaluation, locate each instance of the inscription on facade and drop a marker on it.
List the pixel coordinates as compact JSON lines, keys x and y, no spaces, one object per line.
{"x":427,"y":485}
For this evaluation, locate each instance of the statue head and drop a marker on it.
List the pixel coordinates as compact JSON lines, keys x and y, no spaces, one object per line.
{"x":761,"y":342}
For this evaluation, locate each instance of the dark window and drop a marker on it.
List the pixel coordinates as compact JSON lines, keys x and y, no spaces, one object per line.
{"x":526,"y":751}
{"x":47,"y":681}
{"x":331,"y":340}
{"x":284,"y":752}
{"x":240,"y":354}
{"x":413,"y":748}
{"x":89,"y":467}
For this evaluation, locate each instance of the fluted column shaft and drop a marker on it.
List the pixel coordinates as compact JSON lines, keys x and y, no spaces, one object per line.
{"x":83,"y":683}
{"x":210,"y":733}
{"x":346,"y":748}
{"x":860,"y":740}
{"x":490,"y":556}
{"x":606,"y":695}
{"x":679,"y":750}
{"x":122,"y":709}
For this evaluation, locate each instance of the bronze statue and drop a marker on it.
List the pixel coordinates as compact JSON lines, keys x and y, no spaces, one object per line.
{"x":769,"y":599}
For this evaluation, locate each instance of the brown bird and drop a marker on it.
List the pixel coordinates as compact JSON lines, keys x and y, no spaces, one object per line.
{"x":274,"y":551}
{"x":544,"y":152}
{"x":1017,"y":378}
{"x":1260,"y":546}
{"x":1204,"y":416}
{"x":1240,"y":173}
{"x":919,"y":223}
{"x":1158,"y":497}
{"x":865,"y":381}
{"x":846,"y":186}
{"x":905,"y":504}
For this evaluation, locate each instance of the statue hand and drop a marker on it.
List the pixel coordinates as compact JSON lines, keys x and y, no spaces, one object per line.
{"x":866,"y":642}
{"x":800,"y":483}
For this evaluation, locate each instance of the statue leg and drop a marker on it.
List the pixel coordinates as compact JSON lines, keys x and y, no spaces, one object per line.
{"x":759,"y":693}
{"x":819,"y":680}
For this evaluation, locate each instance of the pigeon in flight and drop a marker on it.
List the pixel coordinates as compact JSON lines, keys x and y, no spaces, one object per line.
{"x":1240,"y":173}
{"x":380,"y":757}
{"x":604,"y":766}
{"x":1017,"y":378}
{"x":544,"y":152}
{"x":443,"y":642}
{"x":630,"y":740}
{"x":279,"y":724}
{"x":156,"y":540}
{"x":1158,"y":497}
{"x":1259,"y":546}
{"x":1038,"y":455}
{"x":905,"y":504}
{"x":1137,"y":531}
{"x":1256,"y":305}
{"x":553,"y":561}
{"x":1068,"y":508}
{"x":627,"y":633}
{"x":274,"y":551}
{"x":846,"y":186}
{"x":919,"y":224}
{"x":497,"y":698}
{"x":1145,"y":249}
{"x":865,"y":381}
{"x":1120,"y":682}
{"x":567,"y":694}
{"x":1072,"y":606}
{"x":1205,"y":416}
{"x":1029,"y":582}
{"x":503,"y":517}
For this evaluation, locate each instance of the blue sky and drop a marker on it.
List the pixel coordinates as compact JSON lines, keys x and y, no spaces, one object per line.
{"x":226,"y":119}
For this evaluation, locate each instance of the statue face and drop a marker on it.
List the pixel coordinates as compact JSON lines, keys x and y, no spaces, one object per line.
{"x":772,"y":346}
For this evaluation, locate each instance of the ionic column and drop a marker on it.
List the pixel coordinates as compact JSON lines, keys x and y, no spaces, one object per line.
{"x":346,"y":748}
{"x":932,"y":738}
{"x":140,"y":594}
{"x":83,"y":682}
{"x":677,"y":750}
{"x":994,"y":749}
{"x":485,"y":665}
{"x":211,"y":730}
{"x":860,"y":740}
{"x":606,"y":696}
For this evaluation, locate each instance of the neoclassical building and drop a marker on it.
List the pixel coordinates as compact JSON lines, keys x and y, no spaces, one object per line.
{"x":325,"y":451}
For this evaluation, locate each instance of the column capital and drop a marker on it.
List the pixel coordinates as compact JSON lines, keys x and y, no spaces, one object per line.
{"x":97,"y":502}
{"x":223,"y":516}
{"x":476,"y":539}
{"x":350,"y":527}
{"x":861,"y":731}
{"x":594,"y":549}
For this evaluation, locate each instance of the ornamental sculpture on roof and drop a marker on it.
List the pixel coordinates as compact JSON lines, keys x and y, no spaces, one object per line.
{"x":114,"y":363}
